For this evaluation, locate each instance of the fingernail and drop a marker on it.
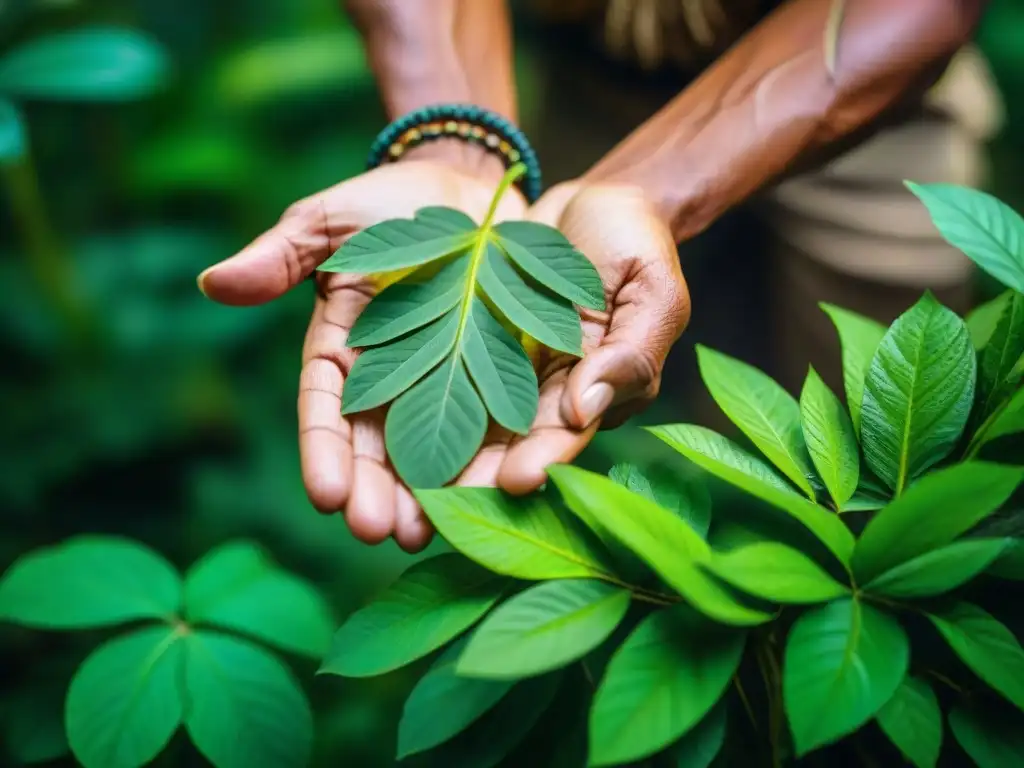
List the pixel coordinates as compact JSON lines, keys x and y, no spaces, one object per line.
{"x":595,"y":401}
{"x":201,"y":279}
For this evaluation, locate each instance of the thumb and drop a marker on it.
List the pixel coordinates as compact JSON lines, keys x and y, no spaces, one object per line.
{"x":275,"y":262}
{"x":611,"y":375}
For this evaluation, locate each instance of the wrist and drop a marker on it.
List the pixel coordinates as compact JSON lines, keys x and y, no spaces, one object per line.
{"x":461,"y":156}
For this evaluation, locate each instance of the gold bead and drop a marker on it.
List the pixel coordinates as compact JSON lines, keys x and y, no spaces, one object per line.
{"x":451,"y":126}
{"x":513,"y":155}
{"x":492,"y":141}
{"x":396,"y":150}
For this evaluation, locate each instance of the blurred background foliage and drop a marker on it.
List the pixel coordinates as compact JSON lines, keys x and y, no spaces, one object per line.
{"x":132,"y":405}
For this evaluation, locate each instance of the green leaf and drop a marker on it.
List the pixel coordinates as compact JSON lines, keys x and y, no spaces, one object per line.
{"x":662,"y":540}
{"x":431,"y":603}
{"x":246,"y":709}
{"x":762,"y":409}
{"x":913,"y":722}
{"x":1010,"y":564}
{"x":381,"y":374}
{"x":986,"y":646}
{"x":89,"y":581}
{"x":547,"y":256}
{"x":998,"y":358}
{"x":435,"y":429}
{"x":830,"y":439}
{"x":544,"y":628}
{"x":501,"y":370}
{"x":525,"y":537}
{"x":859,"y":337}
{"x":701,"y":745}
{"x":660,"y":683}
{"x":407,"y":306}
{"x":125,"y":701}
{"x":549,"y":319}
{"x":94,"y":64}
{"x":983,"y":319}
{"x":842,"y":663}
{"x":12,"y":133}
{"x":239,"y":588}
{"x":991,"y":742}
{"x":725,"y":460}
{"x":399,"y":244}
{"x":938,"y":571}
{"x":985,"y":229}
{"x":932,"y":513}
{"x":918,"y":393}
{"x":443,"y":704}
{"x":775,"y":572}
{"x":1007,"y":420}
{"x":687,"y":497}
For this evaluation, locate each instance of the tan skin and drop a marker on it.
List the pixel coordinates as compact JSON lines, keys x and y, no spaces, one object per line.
{"x":768,"y":107}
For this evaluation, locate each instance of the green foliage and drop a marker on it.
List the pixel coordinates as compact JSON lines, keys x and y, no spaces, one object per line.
{"x":913,"y":722}
{"x":437,"y":339}
{"x":830,"y":439}
{"x":990,"y":743}
{"x":239,"y":704}
{"x":12,"y":133}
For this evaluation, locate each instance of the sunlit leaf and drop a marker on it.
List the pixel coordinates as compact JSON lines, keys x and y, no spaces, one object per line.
{"x":983,"y":319}
{"x":685,"y":495}
{"x":991,"y":740}
{"x":831,"y":441}
{"x":913,"y":722}
{"x":12,"y":133}
{"x":842,"y":663}
{"x":938,"y":571}
{"x":431,"y":603}
{"x":1006,"y":420}
{"x":859,"y":337}
{"x":775,"y":572}
{"x":918,"y":393}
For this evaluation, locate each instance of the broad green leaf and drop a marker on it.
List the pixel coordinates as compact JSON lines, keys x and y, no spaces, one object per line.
{"x":431,"y":603}
{"x":842,"y":663}
{"x":12,"y":133}
{"x":984,"y":228}
{"x":938,"y":571}
{"x":775,"y":572}
{"x":544,"y":628}
{"x":435,"y":429}
{"x":1007,"y":420}
{"x":125,"y":701}
{"x":501,"y":370}
{"x":399,"y":244}
{"x":913,"y":722}
{"x":830,"y":439}
{"x":546,"y":255}
{"x":89,"y":581}
{"x":665,"y":542}
{"x":549,"y":319}
{"x":524,"y":537}
{"x":684,"y":495}
{"x":918,"y":393}
{"x":245,"y":708}
{"x":93,"y":64}
{"x":662,"y":681}
{"x":239,"y":588}
{"x":406,"y":306}
{"x":998,"y":358}
{"x":990,"y":741}
{"x":983,"y":319}
{"x":443,"y":704}
{"x":932,"y":513}
{"x":725,"y":460}
{"x":381,"y":374}
{"x":701,"y":745}
{"x":986,"y":646}
{"x":859,"y":337}
{"x":763,"y":410}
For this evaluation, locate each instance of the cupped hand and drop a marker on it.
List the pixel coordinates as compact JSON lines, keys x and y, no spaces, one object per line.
{"x":344,"y":463}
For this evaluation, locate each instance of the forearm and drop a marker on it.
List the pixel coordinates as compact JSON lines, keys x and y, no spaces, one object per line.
{"x":773,"y":103}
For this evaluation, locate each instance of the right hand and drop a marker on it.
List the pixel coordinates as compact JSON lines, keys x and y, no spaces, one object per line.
{"x":344,"y":462}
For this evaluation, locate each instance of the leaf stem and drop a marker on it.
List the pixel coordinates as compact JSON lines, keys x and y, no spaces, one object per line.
{"x":745,"y":701}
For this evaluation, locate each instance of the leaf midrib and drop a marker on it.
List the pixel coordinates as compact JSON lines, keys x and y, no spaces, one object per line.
{"x":901,"y":476}
{"x":853,"y":640}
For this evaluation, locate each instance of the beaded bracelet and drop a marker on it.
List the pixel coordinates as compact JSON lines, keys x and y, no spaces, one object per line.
{"x":463,"y":121}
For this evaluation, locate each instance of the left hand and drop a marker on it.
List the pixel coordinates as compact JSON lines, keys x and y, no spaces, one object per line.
{"x":624,"y":347}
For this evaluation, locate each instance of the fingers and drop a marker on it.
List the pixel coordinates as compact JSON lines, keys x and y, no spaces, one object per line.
{"x":325,"y":438}
{"x":413,"y":530}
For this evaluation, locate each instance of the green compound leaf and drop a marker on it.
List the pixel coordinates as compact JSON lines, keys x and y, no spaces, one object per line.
{"x":125,"y":701}
{"x":548,"y":256}
{"x":830,"y":438}
{"x":775,"y":572}
{"x":859,"y":337}
{"x":991,"y":740}
{"x":842,"y":663}
{"x":89,"y":581}
{"x":913,"y":722}
{"x":918,"y":393}
{"x":763,"y":411}
{"x":986,"y":646}
{"x":659,"y":684}
{"x":238,"y":587}
{"x":544,"y":628}
{"x":245,"y":708}
{"x":430,"y":604}
{"x":443,"y":704}
{"x":525,"y":538}
{"x":938,"y":571}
